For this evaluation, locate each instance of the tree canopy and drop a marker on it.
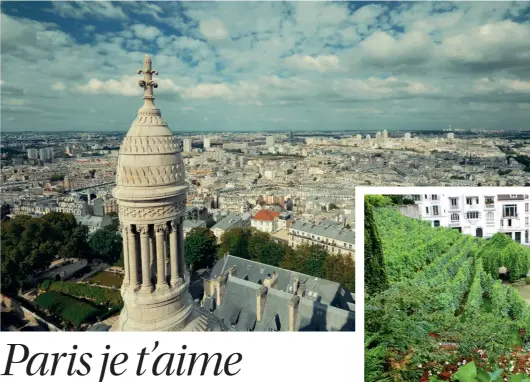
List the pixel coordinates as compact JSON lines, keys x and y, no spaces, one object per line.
{"x":30,"y":244}
{"x":200,"y":248}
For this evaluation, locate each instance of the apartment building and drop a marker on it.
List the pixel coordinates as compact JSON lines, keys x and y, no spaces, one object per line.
{"x":480,"y":215}
{"x":329,"y":234}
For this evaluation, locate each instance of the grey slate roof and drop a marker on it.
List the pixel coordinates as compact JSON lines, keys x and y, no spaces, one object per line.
{"x":227,"y":222}
{"x":327,"y":228}
{"x":326,"y":305}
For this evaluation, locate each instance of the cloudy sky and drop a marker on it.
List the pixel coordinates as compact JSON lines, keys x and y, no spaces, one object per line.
{"x":267,"y":66}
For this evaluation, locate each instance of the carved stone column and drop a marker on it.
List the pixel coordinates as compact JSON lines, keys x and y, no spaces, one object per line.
{"x":180,"y":245}
{"x":125,"y":239}
{"x":133,"y":257}
{"x":152,"y":257}
{"x":160,"y":232}
{"x":173,"y":254}
{"x":147,"y":286}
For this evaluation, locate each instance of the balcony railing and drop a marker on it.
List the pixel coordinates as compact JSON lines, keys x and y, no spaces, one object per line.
{"x":489,"y":206}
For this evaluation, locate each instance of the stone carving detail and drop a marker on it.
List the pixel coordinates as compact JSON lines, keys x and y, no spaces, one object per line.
{"x":143,"y":230}
{"x":153,"y":212}
{"x":160,"y":228}
{"x":149,"y":176}
{"x":143,"y":145}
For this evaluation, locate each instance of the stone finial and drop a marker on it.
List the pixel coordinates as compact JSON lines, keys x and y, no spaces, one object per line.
{"x":148,"y":84}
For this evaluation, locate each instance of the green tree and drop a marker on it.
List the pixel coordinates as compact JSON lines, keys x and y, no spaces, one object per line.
{"x":375,"y":279}
{"x":379,"y":200}
{"x":106,"y":244}
{"x":308,"y":259}
{"x":200,"y":247}
{"x":235,"y":242}
{"x":341,"y":269}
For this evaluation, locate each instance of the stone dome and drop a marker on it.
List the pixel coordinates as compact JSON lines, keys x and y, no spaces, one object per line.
{"x":149,"y":164}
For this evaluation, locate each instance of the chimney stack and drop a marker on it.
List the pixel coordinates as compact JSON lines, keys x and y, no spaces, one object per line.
{"x":233,"y":270}
{"x":293,"y":312}
{"x":295,"y":284}
{"x":271,"y":280}
{"x":221,"y":285}
{"x":301,"y":290}
{"x":261,"y":296}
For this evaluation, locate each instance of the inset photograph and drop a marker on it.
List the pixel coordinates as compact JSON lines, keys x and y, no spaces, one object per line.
{"x":447,"y":286}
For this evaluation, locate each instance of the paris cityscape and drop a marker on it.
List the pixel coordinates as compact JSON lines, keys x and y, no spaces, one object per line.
{"x":177,"y":166}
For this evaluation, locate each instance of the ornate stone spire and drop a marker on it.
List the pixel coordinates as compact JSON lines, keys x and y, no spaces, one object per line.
{"x":148,"y":84}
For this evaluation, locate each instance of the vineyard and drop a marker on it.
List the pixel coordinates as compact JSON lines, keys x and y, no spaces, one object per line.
{"x":444,"y":305}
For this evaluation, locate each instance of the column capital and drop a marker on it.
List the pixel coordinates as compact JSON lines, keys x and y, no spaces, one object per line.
{"x":143,"y":230}
{"x":174,"y":224}
{"x":160,"y":228}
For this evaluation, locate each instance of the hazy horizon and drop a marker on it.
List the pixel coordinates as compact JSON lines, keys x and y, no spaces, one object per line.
{"x":243,"y":67}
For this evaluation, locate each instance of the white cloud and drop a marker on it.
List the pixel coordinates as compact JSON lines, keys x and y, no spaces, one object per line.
{"x":81,"y":10}
{"x":213,"y":29}
{"x":487,"y":85}
{"x":320,"y":63}
{"x":146,"y":32}
{"x":59,"y":86}
{"x":204,"y":91}
{"x":15,"y":102}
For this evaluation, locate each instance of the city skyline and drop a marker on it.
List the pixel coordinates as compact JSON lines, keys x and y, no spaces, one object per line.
{"x":267,"y":66}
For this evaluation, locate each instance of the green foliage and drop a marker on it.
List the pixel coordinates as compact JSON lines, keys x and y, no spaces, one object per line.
{"x":312,"y":260}
{"x":474,"y":298}
{"x":308,"y":259}
{"x":375,"y":277}
{"x":340,"y":268}
{"x":442,"y":290}
{"x":106,"y":244}
{"x":200,"y":248}
{"x":471,"y":373}
{"x":378,"y":200}
{"x":56,"y":177}
{"x":263,"y":249}
{"x":29,"y":245}
{"x":235,"y":242}
{"x":67,"y":308}
{"x":100,"y":295}
{"x":499,"y":251}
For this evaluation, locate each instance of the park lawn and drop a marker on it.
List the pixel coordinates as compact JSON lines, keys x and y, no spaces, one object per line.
{"x":108,"y":279}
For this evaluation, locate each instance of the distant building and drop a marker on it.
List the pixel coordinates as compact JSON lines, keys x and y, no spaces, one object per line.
{"x":207,"y":143}
{"x":407,"y":136}
{"x":478,"y":214}
{"x":186,"y":145}
{"x":33,"y":154}
{"x":269,"y":141}
{"x":46,"y":154}
{"x":265,"y":221}
{"x":331,"y":235}
{"x":111,"y":205}
{"x":230,"y":221}
{"x":191,"y":224}
{"x":450,"y":135}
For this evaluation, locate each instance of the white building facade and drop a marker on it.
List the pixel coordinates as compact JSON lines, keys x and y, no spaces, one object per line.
{"x":479,"y":214}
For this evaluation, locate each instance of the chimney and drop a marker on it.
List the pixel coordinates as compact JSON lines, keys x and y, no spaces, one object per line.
{"x":221,"y":285}
{"x":295,"y":284}
{"x":271,"y":280}
{"x":233,"y":270}
{"x":261,"y":297}
{"x":293,"y":312}
{"x":301,"y":290}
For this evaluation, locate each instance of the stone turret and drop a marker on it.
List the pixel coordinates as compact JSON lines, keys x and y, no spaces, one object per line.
{"x":151,"y":194}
